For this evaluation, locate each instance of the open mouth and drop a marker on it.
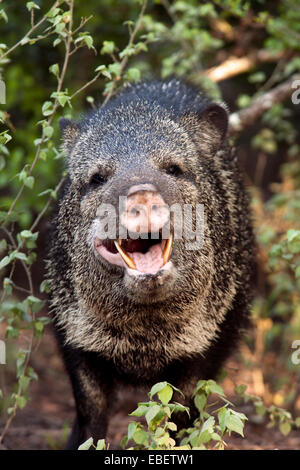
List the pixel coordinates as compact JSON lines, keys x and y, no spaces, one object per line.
{"x":144,"y":255}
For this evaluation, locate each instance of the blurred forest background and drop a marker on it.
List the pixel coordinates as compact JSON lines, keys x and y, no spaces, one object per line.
{"x":65,"y":57}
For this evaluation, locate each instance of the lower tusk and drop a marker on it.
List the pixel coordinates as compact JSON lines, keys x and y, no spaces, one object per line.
{"x":167,"y":250}
{"x":129,"y":261}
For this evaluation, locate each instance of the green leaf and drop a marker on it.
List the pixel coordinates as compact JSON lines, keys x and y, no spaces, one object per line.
{"x":24,"y":41}
{"x":7,"y":285}
{"x":44,"y":287}
{"x":178,"y":407}
{"x":56,"y":42}
{"x":200,"y":401}
{"x":5,"y":137}
{"x":108,"y":47}
{"x":293,"y":234}
{"x":54,"y":69}
{"x":165,"y":394}
{"x":33,"y":300}
{"x":200,"y":386}
{"x":257,"y":77}
{"x":157,"y":388}
{"x":38,"y":326}
{"x":28,"y":235}
{"x":52,"y":12}
{"x":152,"y":412}
{"x":47,"y":108}
{"x":124,"y":442}
{"x":3,"y":245}
{"x":21,"y":402}
{"x":24,"y":383}
{"x":59,"y":28}
{"x":5,"y":261}
{"x":3,"y":15}
{"x":204,"y":437}
{"x":285,"y":428}
{"x":215,"y":388}
{"x":140,"y":411}
{"x":29,"y":181}
{"x":260,"y":409}
{"x":19,"y":255}
{"x":62,"y":99}
{"x":31,"y":5}
{"x":12,"y":332}
{"x":100,"y":68}
{"x":240,"y":389}
{"x":141,"y":437}
{"x":115,"y":69}
{"x":131,"y":429}
{"x":86,"y":445}
{"x":244,"y":101}
{"x":100,"y":444}
{"x":2,"y":162}
{"x":89,"y":41}
{"x":234,"y":423}
{"x":133,"y":75}
{"x":194,"y":438}
{"x":31,"y":373}
{"x":48,"y":131}
{"x":172,"y":426}
{"x":20,"y":363}
{"x":276,"y":250}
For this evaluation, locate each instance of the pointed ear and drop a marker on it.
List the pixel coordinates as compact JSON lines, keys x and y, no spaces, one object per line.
{"x":209,"y":128}
{"x":70,"y":131}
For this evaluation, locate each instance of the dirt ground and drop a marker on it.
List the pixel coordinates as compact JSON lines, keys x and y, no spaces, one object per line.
{"x":45,"y":421}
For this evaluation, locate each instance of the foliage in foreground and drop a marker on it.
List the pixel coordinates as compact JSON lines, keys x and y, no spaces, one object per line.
{"x":160,"y":432}
{"x":210,"y":429}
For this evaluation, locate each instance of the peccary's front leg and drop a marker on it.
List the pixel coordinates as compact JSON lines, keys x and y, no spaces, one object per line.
{"x":92,"y":389}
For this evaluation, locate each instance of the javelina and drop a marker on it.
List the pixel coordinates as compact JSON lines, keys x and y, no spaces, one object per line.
{"x":132,"y":310}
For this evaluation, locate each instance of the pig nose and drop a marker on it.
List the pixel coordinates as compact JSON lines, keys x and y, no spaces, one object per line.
{"x":145,"y":210}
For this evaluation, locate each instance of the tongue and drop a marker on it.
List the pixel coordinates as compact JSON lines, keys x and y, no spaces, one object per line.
{"x":150,"y":262}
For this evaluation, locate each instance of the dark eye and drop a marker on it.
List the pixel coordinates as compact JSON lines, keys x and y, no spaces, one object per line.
{"x":174,"y":170}
{"x":97,"y":179}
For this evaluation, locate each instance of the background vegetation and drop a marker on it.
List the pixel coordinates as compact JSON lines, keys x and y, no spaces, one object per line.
{"x":62,"y":58}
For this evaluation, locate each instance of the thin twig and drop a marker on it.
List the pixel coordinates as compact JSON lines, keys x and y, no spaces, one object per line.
{"x":32,"y":29}
{"x":82,"y":23}
{"x":86,"y":85}
{"x":124,"y":61}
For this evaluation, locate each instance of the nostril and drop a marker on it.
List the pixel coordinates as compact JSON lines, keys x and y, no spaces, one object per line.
{"x":134,"y":211}
{"x":155,"y":207}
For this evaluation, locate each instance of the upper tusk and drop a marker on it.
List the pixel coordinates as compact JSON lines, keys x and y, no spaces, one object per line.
{"x":167,"y":250}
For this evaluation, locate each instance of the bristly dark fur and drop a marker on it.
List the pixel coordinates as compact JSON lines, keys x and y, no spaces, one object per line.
{"x":110,"y":331}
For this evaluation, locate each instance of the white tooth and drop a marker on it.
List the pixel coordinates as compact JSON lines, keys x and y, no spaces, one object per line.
{"x":167,"y":250}
{"x":129,"y":261}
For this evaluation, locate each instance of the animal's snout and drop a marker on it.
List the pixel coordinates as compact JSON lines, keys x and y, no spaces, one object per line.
{"x":145,"y":210}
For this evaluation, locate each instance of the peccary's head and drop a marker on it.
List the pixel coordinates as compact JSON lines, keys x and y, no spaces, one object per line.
{"x":143,"y":205}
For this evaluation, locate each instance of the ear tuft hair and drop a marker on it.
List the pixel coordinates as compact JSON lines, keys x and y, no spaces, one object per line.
{"x":208,"y":128}
{"x":217,"y":116}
